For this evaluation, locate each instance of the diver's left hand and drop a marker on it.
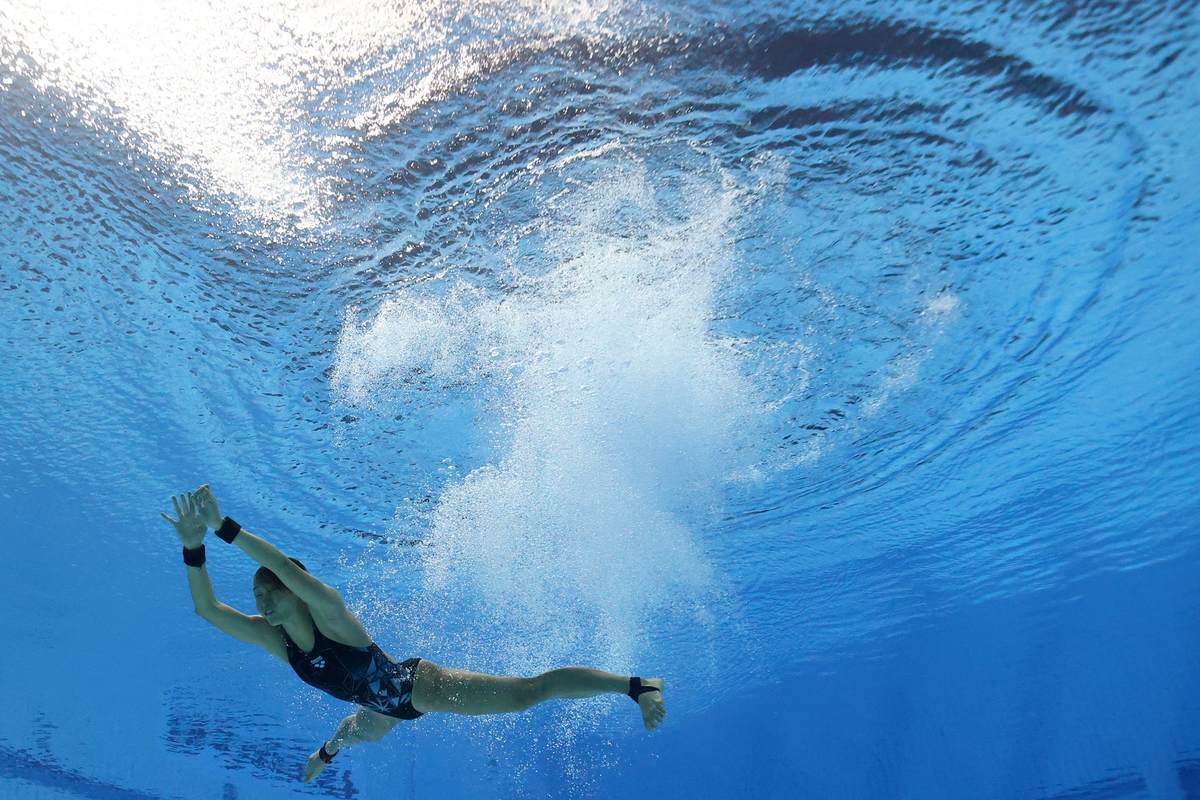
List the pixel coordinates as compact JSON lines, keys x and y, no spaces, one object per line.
{"x":314,"y":767}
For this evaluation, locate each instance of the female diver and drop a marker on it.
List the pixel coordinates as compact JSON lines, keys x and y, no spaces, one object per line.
{"x":306,"y":623}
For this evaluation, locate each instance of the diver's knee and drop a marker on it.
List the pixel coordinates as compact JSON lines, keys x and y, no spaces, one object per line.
{"x":532,"y":691}
{"x":373,"y":726}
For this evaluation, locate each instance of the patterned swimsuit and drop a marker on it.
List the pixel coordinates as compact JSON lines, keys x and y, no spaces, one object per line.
{"x":363,"y":675}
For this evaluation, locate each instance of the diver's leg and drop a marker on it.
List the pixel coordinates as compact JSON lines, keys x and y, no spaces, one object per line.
{"x":574,"y":682}
{"x":437,"y":688}
{"x":458,"y":691}
{"x":364,"y":725}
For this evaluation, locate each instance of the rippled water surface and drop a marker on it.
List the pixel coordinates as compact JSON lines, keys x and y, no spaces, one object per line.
{"x":835,"y":361}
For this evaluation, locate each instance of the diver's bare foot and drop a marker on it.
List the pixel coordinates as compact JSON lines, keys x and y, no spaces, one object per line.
{"x":651,"y":703}
{"x":314,"y":767}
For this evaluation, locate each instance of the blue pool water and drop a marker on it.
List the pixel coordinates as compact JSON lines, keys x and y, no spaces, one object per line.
{"x":834,"y":361}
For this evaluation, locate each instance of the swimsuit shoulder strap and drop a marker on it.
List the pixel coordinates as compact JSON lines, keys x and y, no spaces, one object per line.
{"x":290,"y":642}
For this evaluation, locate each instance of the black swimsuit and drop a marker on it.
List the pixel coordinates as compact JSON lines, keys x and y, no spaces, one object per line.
{"x":363,"y":675}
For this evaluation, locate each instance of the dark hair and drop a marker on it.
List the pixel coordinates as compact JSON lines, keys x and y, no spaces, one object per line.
{"x":268,"y":577}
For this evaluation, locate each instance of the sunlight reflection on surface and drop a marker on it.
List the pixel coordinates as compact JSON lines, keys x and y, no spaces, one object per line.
{"x":234,"y":93}
{"x":259,"y":102}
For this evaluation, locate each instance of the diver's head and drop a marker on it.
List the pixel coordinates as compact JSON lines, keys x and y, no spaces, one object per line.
{"x":275,"y":601}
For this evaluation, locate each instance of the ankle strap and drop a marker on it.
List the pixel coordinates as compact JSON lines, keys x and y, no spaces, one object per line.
{"x":636,"y":689}
{"x":324,"y":755}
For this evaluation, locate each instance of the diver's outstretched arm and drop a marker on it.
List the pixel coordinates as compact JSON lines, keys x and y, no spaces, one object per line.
{"x":255,"y":630}
{"x":312,"y":591}
{"x":191,"y":529}
{"x":260,"y":550}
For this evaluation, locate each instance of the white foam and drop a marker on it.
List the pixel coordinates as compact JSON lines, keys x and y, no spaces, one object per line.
{"x":620,"y":414}
{"x":409,"y":335}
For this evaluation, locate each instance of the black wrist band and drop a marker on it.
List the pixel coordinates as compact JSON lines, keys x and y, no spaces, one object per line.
{"x":228,"y":530}
{"x":194,"y":556}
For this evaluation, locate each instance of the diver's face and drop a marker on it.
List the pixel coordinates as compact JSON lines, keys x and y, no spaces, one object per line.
{"x":275,"y":603}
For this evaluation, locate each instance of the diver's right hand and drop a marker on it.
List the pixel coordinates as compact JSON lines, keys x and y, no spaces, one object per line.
{"x":206,"y":506}
{"x":189,"y":526}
